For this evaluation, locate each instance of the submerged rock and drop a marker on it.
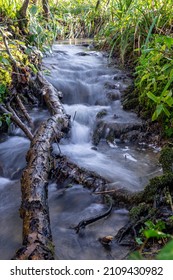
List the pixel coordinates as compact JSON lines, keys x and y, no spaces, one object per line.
{"x":113,"y":95}
{"x":125,"y":132}
{"x":101,"y":114}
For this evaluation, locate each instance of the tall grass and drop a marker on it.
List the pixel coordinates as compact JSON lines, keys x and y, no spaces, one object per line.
{"x":132,"y":23}
{"x":8,"y":8}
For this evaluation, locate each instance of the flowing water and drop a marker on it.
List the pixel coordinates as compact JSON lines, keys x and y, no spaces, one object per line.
{"x":13,"y":149}
{"x":85,"y":79}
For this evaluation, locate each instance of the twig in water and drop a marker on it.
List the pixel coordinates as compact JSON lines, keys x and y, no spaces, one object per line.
{"x":59,"y":148}
{"x":74,"y":116}
{"x":104,"y":192}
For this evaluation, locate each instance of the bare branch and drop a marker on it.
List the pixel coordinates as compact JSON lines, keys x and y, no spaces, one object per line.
{"x":23,"y":110}
{"x":17,"y":121}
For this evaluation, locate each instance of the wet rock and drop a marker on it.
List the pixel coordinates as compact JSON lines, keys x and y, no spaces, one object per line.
{"x":1,"y":171}
{"x":129,"y":104}
{"x":106,"y":240}
{"x":60,"y":52}
{"x":94,"y":148}
{"x":111,"y":130}
{"x":131,"y":136}
{"x":130,"y":99}
{"x":120,"y":76}
{"x":137,"y":211}
{"x":98,"y":133}
{"x":101,"y":114}
{"x":111,"y":85}
{"x":115,"y":116}
{"x":102,"y":102}
{"x":83,"y":54}
{"x":112,"y":96}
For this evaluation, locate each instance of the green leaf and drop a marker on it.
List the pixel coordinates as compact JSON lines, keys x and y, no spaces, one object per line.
{"x":39,"y":29}
{"x":145,"y":77}
{"x":2,"y":89}
{"x":166,"y":66}
{"x":8,"y":120}
{"x":167,"y":113}
{"x":150,"y":31}
{"x":169,"y":101}
{"x":152,"y":96}
{"x":168,"y":83}
{"x":153,"y":233}
{"x":33,"y":68}
{"x":167,"y":252}
{"x":4,"y":60}
{"x":33,"y":10}
{"x":28,"y":51}
{"x":138,"y":240}
{"x":168,"y":41}
{"x":135,"y":256}
{"x":149,"y":224}
{"x":157,"y":112}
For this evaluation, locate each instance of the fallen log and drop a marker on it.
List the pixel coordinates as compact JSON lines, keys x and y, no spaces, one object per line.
{"x":37,"y":237}
{"x":66,"y":172}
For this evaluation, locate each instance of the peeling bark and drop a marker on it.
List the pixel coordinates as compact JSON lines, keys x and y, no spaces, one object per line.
{"x":23,"y":110}
{"x":37,"y":237}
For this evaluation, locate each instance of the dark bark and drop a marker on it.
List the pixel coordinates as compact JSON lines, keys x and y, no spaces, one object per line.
{"x":23,"y":9}
{"x":21,"y":15}
{"x":23,"y":110}
{"x":66,"y":172}
{"x":97,"y":5}
{"x":37,"y":238}
{"x":46,"y":10}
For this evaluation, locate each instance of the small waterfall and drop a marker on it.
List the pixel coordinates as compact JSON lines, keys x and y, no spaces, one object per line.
{"x":80,"y":133}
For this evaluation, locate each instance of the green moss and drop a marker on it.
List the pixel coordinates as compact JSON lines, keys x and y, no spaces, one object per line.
{"x":129,"y":104}
{"x":101,"y":114}
{"x":137,"y":211}
{"x":166,"y":159}
{"x":156,"y":190}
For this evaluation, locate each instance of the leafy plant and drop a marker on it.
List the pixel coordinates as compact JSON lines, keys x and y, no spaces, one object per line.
{"x":5,"y":118}
{"x":155,"y":230}
{"x":167,"y":252}
{"x":154,"y":79}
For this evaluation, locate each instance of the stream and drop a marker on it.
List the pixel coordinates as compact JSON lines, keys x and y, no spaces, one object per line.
{"x":86,"y":80}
